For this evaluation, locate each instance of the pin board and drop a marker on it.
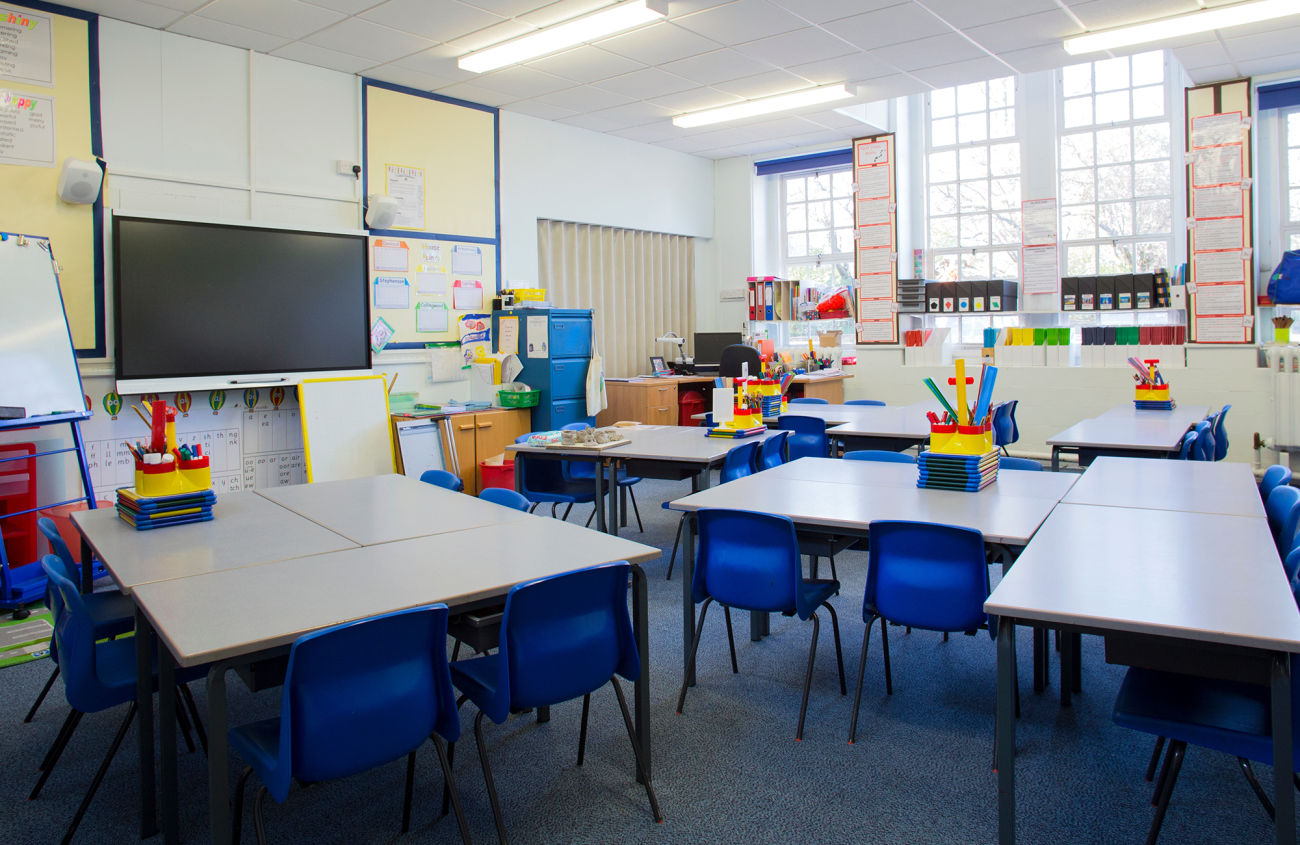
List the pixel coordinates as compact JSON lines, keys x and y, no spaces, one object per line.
{"x":49,"y":98}
{"x":875,"y":233}
{"x":422,"y":286}
{"x":345,"y":428}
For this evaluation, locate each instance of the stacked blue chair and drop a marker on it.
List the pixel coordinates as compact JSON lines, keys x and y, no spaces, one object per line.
{"x":738,"y":463}
{"x":442,"y":478}
{"x":544,"y":480}
{"x":585,"y":470}
{"x":506,"y":497}
{"x":1221,"y":433}
{"x":1005,"y":430}
{"x":97,"y":676}
{"x":1275,"y":476}
{"x":876,"y":402}
{"x":341,"y":712}
{"x":1188,"y":451}
{"x":1205,"y":446}
{"x":808,"y":400}
{"x":750,"y":561}
{"x":1283,"y":512}
{"x":922,"y":575}
{"x":807,"y":437}
{"x":562,"y":638}
{"x":772,"y":453}
{"x":1023,"y":464}
{"x":880,"y":456}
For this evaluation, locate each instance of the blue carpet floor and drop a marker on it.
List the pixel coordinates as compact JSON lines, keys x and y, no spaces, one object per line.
{"x":727,"y":771}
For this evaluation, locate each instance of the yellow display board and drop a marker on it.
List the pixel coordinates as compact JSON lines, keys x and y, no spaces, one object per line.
{"x":30,"y":205}
{"x":422,"y":286}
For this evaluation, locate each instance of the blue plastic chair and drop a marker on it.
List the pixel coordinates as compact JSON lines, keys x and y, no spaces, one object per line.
{"x":1005,"y":430}
{"x":1024,"y":464}
{"x":1275,"y":476}
{"x":1221,"y":433}
{"x":1283,"y":512}
{"x":1189,"y":449}
{"x":585,"y":470}
{"x":97,"y":676}
{"x":542,"y":480}
{"x":808,"y":400}
{"x":807,"y":437}
{"x":880,"y":456}
{"x":865,"y":402}
{"x":1205,"y":446}
{"x":504,"y":496}
{"x":356,"y":696}
{"x":742,"y":461}
{"x":772,"y":453}
{"x":922,"y":575}
{"x":562,"y":638}
{"x":442,"y":478}
{"x":707,"y":422}
{"x":750,"y":561}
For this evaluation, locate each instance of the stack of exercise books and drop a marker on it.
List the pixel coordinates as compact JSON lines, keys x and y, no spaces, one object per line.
{"x":735,"y":433}
{"x":957,"y":472}
{"x":145,"y":512}
{"x":771,"y":406}
{"x":1167,"y":405}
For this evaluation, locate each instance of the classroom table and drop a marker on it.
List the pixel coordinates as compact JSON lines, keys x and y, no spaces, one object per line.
{"x":1038,"y":485}
{"x":1187,"y":592}
{"x":1190,"y":486}
{"x":890,"y":427}
{"x":1136,"y":438}
{"x":1192,"y":413}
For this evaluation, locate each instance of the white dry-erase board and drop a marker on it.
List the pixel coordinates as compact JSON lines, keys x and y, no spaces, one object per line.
{"x":38,"y":369}
{"x":345,"y":428}
{"x":420,"y":442}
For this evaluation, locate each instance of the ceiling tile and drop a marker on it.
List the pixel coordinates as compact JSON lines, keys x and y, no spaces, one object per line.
{"x":969,"y":13}
{"x":742,"y":21}
{"x":716,"y":154}
{"x":492,"y":35}
{"x":718,"y":66}
{"x":961,"y":73}
{"x":523,"y":82}
{"x":477,"y":94}
{"x":678,"y":8}
{"x":763,"y":85}
{"x":595,"y":124}
{"x":436,"y":20}
{"x":854,"y":68}
{"x":782,"y":127}
{"x":672,"y":131}
{"x":1259,"y":67}
{"x":399,"y":75}
{"x":640,"y":133}
{"x":886,"y":87}
{"x":224,"y":33}
{"x":727,"y":137}
{"x":1104,"y":14}
{"x":1250,"y":28}
{"x":182,"y":5}
{"x":347,"y":7}
{"x":586,"y":64}
{"x":1202,"y":55}
{"x":832,"y":119}
{"x":552,"y":13}
{"x":1278,"y":43}
{"x":585,"y":98}
{"x":509,"y":8}
{"x":319,"y":56}
{"x":658,"y":44}
{"x":533,"y":108}
{"x":1022,"y":33}
{"x":895,"y":24}
{"x":929,"y":52}
{"x":438,"y":61}
{"x":825,"y":136}
{"x":683,"y":145}
{"x":635,"y":114}
{"x":362,"y":38}
{"x":781,"y":50}
{"x":761,"y":148}
{"x":644,"y":84}
{"x":133,"y":11}
{"x":696,"y":99}
{"x":822,"y":11}
{"x":1047,"y":57}
{"x":286,"y":18}
{"x":1219,"y":73}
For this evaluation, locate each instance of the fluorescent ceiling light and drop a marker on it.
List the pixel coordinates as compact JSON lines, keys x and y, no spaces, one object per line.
{"x":568,"y":34}
{"x":1190,"y":24}
{"x":810,"y":97}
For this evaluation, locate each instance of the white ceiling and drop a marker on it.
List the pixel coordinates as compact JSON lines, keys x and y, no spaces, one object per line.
{"x":708,"y":53}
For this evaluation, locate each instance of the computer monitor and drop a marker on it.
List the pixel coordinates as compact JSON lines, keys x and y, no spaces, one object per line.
{"x":708,"y":346}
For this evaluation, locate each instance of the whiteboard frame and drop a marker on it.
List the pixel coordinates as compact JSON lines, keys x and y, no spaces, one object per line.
{"x":306,"y":439}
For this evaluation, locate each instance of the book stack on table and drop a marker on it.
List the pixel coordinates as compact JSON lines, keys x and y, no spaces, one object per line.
{"x":730,"y":433}
{"x":145,"y":512}
{"x":957,"y":472}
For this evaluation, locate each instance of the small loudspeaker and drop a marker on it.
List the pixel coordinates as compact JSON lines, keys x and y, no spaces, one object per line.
{"x":382,"y":213}
{"x":79,"y":181}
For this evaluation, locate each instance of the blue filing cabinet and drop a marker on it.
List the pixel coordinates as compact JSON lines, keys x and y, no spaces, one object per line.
{"x":561,"y":374}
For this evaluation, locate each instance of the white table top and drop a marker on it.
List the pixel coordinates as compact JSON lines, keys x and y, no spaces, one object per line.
{"x":1192,"y":413}
{"x":247,"y":530}
{"x":384,"y":508}
{"x":909,"y":421}
{"x":1000,"y":518}
{"x":1194,"y":486}
{"x":662,"y":443}
{"x":1155,"y":435}
{"x":224,"y":614}
{"x":1205,"y":577}
{"x":1036,"y":485}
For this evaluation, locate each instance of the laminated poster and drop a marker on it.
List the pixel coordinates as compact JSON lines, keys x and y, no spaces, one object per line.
{"x":26,"y":46}
{"x":380,"y":334}
{"x":26,"y":127}
{"x":406,"y":185}
{"x":432,"y":317}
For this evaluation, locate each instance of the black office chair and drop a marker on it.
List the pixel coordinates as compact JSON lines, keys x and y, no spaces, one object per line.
{"x":734,"y":356}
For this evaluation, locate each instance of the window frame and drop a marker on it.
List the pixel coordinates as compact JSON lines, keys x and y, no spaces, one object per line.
{"x":785,"y":261}
{"x":1287,"y":228}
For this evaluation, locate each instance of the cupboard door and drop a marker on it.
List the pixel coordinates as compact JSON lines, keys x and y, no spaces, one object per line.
{"x":664,"y":415}
{"x":493,"y":432}
{"x":462,"y":428}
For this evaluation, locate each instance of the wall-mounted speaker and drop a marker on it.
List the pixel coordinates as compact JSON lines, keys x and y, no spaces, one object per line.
{"x":79,"y":181}
{"x":382,"y":213}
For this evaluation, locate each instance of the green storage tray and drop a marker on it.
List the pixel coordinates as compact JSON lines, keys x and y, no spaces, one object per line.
{"x":519,"y":398}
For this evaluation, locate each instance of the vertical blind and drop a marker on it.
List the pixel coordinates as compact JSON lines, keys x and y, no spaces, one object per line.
{"x":639,"y":285}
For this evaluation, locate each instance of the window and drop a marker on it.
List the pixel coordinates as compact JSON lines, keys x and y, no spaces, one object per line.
{"x":1291,"y":173}
{"x":817,"y":239}
{"x":1115,"y":191}
{"x":973,"y":179}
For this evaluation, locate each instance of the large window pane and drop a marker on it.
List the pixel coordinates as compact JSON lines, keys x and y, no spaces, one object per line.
{"x":1112,"y":107}
{"x":975,"y":230}
{"x":972,"y":98}
{"x":1076,"y":150}
{"x":943,"y":133}
{"x":1114,"y":259}
{"x":1113,"y":183}
{"x":1002,"y":93}
{"x":1002,"y":123}
{"x":1153,"y":217}
{"x":974,"y":196}
{"x":819,"y":243}
{"x":975,"y":266}
{"x":819,"y":186}
{"x":842,"y":212}
{"x":1113,"y":146}
{"x":819,"y":214}
{"x":795,"y":189}
{"x":1005,"y":193}
{"x":943,"y":199}
{"x":796,"y":217}
{"x":945,"y":268}
{"x":943,"y":103}
{"x":1078,"y":186}
{"x":943,"y":167}
{"x":1078,"y":112}
{"x":1149,"y":68}
{"x":1151,"y":179}
{"x":1004,"y":159}
{"x":796,"y":244}
{"x":1114,"y":219}
{"x":974,"y":163}
{"x":1006,"y":265}
{"x":1149,"y":102}
{"x":1151,"y":141}
{"x":1081,"y":260}
{"x":973,"y":127}
{"x":1079,"y":222}
{"x":1111,"y":74}
{"x":1151,"y":256}
{"x":943,"y":232}
{"x":842,"y":184}
{"x":1006,"y":227}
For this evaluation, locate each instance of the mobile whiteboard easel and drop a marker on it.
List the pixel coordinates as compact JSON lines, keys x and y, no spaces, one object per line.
{"x":345,"y":427}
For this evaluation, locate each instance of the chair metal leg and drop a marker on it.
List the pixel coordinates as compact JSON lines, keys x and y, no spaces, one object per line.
{"x":1155,"y":758}
{"x":690,"y":664}
{"x":183,"y":721}
{"x":884,"y":641}
{"x":449,"y":785}
{"x":70,"y":726}
{"x":534,"y":507}
{"x":807,"y":678}
{"x":731,"y":640}
{"x":455,"y":651}
{"x":636,"y":750}
{"x":487,"y":777}
{"x":410,"y":789}
{"x":1176,"y":751}
{"x":839,"y":655}
{"x":1259,"y":790}
{"x":194,"y":715}
{"x":58,"y":739}
{"x":635,"y":510}
{"x":590,"y":517}
{"x":676,"y":540}
{"x":566,"y":512}
{"x":36,"y":705}
{"x":582,"y":733}
{"x":813,"y":560}
{"x":99,"y":775}
{"x":237,"y":811}
{"x":1164,"y":775}
{"x":258,"y":825}
{"x":553,"y":516}
{"x":862,"y":669}
{"x":834,"y":575}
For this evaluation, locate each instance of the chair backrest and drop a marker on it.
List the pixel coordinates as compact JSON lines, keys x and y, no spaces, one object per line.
{"x":808,"y":400}
{"x":865,"y":402}
{"x":1013,"y":431}
{"x":442,"y":478}
{"x":504,"y":496}
{"x":1002,"y":425}
{"x":1291,"y":565}
{"x":563,"y":637}
{"x":538,"y":476}
{"x":729,"y":365}
{"x":739,"y":462}
{"x":1026,"y":464}
{"x":881,"y":456}
{"x":583,"y":470}
{"x":748,"y":560}
{"x":1275,"y":476}
{"x":1189,"y":449}
{"x":74,"y":639}
{"x":523,"y":438}
{"x":807,"y":439}
{"x":1221,"y":434}
{"x":773,"y":452}
{"x":55,"y":539}
{"x":1204,"y":450}
{"x":707,"y":422}
{"x":1283,"y":511}
{"x":927,"y":575}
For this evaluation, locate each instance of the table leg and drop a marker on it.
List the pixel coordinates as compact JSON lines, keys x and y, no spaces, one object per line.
{"x":1005,"y":739}
{"x":641,"y":689}
{"x":622,"y":503}
{"x":1076,"y":671}
{"x":171,"y":824}
{"x":218,"y":759}
{"x":1040,"y":666}
{"x":1067,"y":668}
{"x":612,"y":520}
{"x":87,"y":568}
{"x":600,"y":497}
{"x":1283,"y":762}
{"x":1056,"y":460}
{"x":544,"y":714}
{"x":144,"y":727}
{"x":699,"y":482}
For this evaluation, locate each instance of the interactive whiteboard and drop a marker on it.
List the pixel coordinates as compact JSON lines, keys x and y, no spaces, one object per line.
{"x":345,"y":428}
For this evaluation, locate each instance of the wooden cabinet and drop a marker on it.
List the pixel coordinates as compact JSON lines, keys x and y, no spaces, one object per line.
{"x":653,"y":402}
{"x":483,"y":435}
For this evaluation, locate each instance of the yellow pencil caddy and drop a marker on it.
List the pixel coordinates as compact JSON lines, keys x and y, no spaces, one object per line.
{"x":1151,"y":393}
{"x":961,"y":439}
{"x":173,"y":479}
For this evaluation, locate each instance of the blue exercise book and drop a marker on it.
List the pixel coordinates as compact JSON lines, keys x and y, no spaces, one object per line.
{"x":151,"y":504}
{"x":1154,"y":406}
{"x":971,"y":486}
{"x":935,"y":460}
{"x":141,"y":524}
